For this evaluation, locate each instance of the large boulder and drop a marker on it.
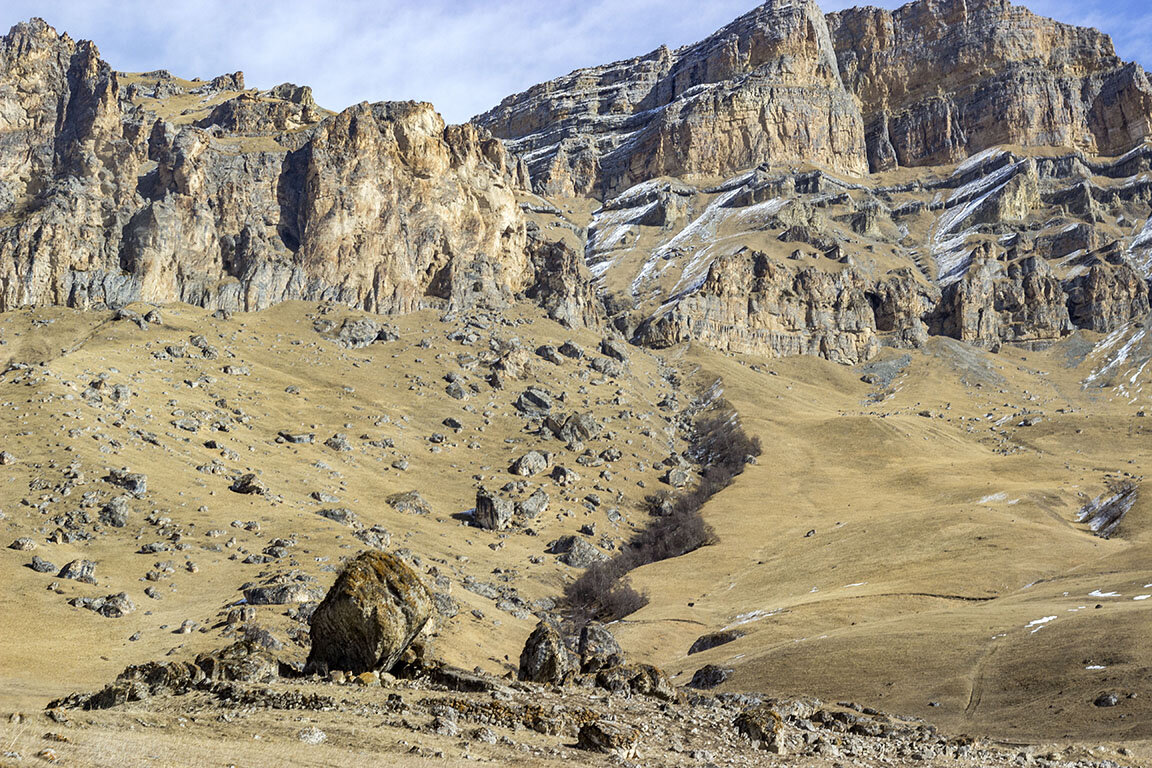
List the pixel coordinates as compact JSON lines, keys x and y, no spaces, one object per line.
{"x":373,"y":612}
{"x":598,"y":648}
{"x":492,"y":512}
{"x":545,"y":658}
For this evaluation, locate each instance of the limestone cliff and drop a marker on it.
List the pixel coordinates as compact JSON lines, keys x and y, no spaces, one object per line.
{"x":764,"y":87}
{"x":864,"y":89}
{"x":104,"y":199}
{"x":938,"y":80}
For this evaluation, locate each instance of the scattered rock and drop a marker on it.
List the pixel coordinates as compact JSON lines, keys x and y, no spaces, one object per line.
{"x":409,"y":502}
{"x":492,"y":512}
{"x":545,"y":658}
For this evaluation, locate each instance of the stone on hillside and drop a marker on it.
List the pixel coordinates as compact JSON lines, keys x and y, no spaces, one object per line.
{"x":713,"y":639}
{"x":298,"y":438}
{"x":609,"y":738}
{"x":531,"y":463}
{"x":370,"y":616}
{"x":23,"y":544}
{"x":710,"y":676}
{"x":248,"y":484}
{"x":598,"y":648}
{"x":409,"y":502}
{"x":492,"y":512}
{"x":80,"y":570}
{"x":545,"y":658}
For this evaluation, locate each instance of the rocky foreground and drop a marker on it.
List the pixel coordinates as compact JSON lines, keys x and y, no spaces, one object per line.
{"x":572,"y":697}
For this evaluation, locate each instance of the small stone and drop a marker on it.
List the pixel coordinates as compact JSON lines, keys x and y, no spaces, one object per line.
{"x":312,"y":735}
{"x":1107,"y":700}
{"x":42,"y":566}
{"x":610,"y":738}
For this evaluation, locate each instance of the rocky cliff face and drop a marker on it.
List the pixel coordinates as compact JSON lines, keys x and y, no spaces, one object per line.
{"x":938,"y":80}
{"x":766,"y":86}
{"x":117,"y":187}
{"x":930,"y":83}
{"x":1004,"y":249}
{"x":261,"y":199}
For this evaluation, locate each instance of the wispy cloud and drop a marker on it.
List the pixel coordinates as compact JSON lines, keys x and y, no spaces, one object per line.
{"x":462,"y":55}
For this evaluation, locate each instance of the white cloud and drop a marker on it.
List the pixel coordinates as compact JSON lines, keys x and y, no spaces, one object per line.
{"x":462,"y":55}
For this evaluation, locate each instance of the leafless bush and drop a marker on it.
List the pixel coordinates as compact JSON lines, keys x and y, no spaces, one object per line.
{"x":721,"y":448}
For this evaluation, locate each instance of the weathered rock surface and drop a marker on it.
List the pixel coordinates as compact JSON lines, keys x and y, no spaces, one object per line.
{"x":866,"y":88}
{"x":939,"y":81}
{"x":370,"y":616}
{"x":545,"y":658}
{"x":766,"y":85}
{"x":265,"y":199}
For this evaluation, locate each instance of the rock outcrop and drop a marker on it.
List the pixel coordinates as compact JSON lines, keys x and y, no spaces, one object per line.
{"x":766,"y":86}
{"x":863,"y":89}
{"x":373,"y":612}
{"x":263,"y":199}
{"x":938,"y":81}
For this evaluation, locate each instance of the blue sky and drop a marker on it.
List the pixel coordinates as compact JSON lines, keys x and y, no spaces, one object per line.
{"x":462,"y":55}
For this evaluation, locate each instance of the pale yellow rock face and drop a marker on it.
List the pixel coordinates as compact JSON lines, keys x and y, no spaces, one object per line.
{"x":863,"y":89}
{"x":938,"y":81}
{"x":764,"y":88}
{"x":246,"y":199}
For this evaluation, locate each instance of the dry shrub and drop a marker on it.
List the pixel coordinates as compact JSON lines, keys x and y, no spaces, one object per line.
{"x":721,"y":449}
